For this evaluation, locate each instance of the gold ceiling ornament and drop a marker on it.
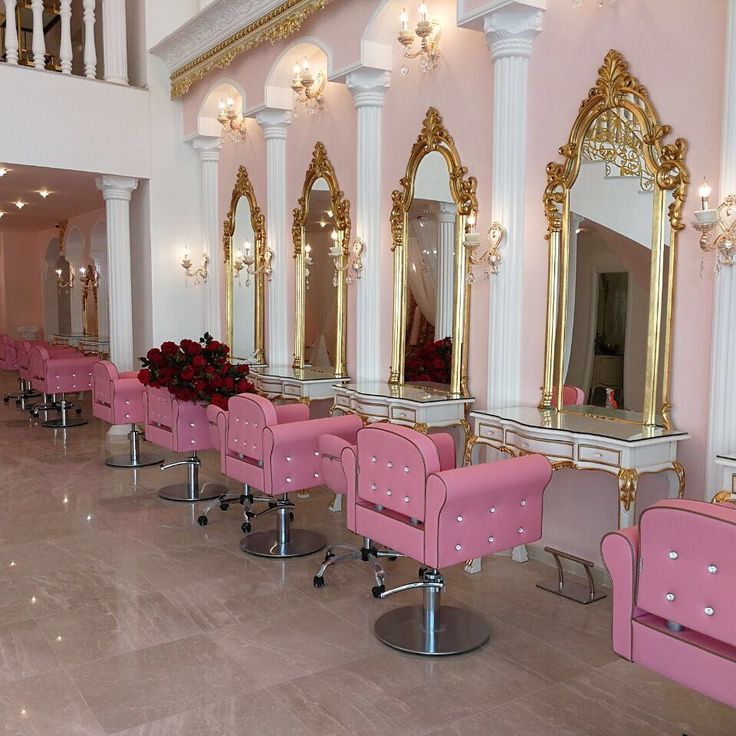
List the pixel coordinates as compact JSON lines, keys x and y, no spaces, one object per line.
{"x":320,"y":167}
{"x":62,"y":225}
{"x":619,"y":91}
{"x":433,"y":137}
{"x":260,"y":262}
{"x":280,"y":23}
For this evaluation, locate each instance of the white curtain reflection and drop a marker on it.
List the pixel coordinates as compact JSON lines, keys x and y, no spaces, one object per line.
{"x":422,"y":269}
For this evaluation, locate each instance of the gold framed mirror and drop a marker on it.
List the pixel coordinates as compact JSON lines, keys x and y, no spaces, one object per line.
{"x":321,"y":234}
{"x":431,"y":292}
{"x":614,"y":210}
{"x":247,"y":264}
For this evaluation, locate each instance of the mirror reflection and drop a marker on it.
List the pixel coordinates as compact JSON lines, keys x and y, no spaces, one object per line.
{"x":610,"y":266}
{"x":320,"y":308}
{"x":431,"y":256}
{"x":244,"y":288}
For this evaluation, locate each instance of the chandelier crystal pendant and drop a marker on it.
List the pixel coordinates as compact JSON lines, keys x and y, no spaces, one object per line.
{"x":309,"y":88}
{"x":427,"y":32}
{"x":233,"y":124}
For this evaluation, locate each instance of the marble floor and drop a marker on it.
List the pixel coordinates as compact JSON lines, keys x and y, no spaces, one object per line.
{"x":120,"y":615}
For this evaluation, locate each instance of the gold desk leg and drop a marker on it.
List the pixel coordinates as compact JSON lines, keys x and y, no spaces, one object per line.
{"x":680,"y":471}
{"x":628,"y":480}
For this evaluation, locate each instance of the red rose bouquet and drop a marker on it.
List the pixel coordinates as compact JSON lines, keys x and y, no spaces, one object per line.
{"x":430,"y":362}
{"x":195,"y":371}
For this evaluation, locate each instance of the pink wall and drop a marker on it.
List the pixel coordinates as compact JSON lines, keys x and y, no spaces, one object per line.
{"x":683,"y":72}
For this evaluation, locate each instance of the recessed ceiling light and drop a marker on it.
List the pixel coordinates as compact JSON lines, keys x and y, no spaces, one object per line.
{"x":1,"y":213}
{"x":3,"y":171}
{"x":44,"y":193}
{"x":20,"y":204}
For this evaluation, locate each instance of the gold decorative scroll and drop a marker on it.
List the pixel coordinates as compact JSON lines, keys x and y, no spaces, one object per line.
{"x":433,"y":137}
{"x":281,"y":22}
{"x":631,"y":138}
{"x":62,"y":225}
{"x":244,"y":188}
{"x":321,"y":167}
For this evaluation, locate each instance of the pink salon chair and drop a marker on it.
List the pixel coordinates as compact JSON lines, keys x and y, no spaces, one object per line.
{"x":331,"y":448}
{"x":180,"y":426}
{"x":674,"y":594}
{"x":9,"y":362}
{"x":571,"y":395}
{"x":117,"y":398}
{"x":275,"y":449}
{"x":399,"y":496}
{"x":57,"y":374}
{"x":23,"y":352}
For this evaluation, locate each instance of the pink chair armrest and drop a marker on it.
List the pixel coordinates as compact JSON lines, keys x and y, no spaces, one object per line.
{"x":217,"y":419}
{"x":286,"y":413}
{"x":129,"y":374}
{"x":484,"y":509}
{"x":291,"y":458}
{"x":349,"y":457}
{"x":620,"y":552}
{"x":445,"y":449}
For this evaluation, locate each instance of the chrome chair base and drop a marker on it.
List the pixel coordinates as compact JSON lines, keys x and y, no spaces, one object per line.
{"x":366,"y":553}
{"x":185,"y":493}
{"x":64,"y":423}
{"x":457,"y":631}
{"x":301,"y":542}
{"x":134,"y":459}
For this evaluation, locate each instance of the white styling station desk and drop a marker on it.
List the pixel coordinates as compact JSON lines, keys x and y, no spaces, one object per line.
{"x":304,"y":385}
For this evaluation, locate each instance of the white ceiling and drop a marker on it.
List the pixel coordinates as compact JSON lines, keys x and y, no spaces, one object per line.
{"x":72,"y":193}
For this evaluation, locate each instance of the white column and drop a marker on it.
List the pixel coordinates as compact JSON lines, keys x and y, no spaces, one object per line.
{"x":11,"y":33}
{"x":38,"y":44}
{"x":209,"y":154}
{"x":90,"y":55}
{"x":510,"y":32}
{"x":274,"y":123}
{"x":445,"y":262}
{"x":115,"y":41}
{"x":65,"y":47}
{"x":117,"y":191}
{"x":368,"y":87}
{"x":721,"y":424}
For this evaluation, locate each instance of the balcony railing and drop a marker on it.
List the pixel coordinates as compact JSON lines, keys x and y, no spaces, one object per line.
{"x":45,"y":33}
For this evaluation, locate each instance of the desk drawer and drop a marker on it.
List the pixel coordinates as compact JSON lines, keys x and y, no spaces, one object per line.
{"x":402,"y":414}
{"x":490,"y":432}
{"x":342,"y":401}
{"x":529,"y":444}
{"x":600,"y":455}
{"x":291,"y":391}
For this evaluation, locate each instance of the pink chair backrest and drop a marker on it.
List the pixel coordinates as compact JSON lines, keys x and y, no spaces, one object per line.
{"x":687,"y":552}
{"x":180,"y":426}
{"x":571,"y":396}
{"x":248,"y":416}
{"x":159,"y":408}
{"x":37,"y":360}
{"x":103,"y":374}
{"x":23,"y":353}
{"x":393,"y":464}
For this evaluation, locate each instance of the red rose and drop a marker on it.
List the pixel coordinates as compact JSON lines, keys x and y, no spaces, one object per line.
{"x":199,"y":361}
{"x":210,"y":370}
{"x":228,"y":383}
{"x":169,"y":348}
{"x":216,"y":382}
{"x":219,"y":400}
{"x":154,"y":355}
{"x":244,"y":386}
{"x":187,"y":373}
{"x":438,"y":364}
{"x":192,"y":348}
{"x":144,"y":376}
{"x":200,"y":385}
{"x":243,"y":369}
{"x":213,"y":345}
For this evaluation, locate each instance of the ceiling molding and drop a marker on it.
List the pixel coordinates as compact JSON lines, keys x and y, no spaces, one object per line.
{"x":224,"y":30}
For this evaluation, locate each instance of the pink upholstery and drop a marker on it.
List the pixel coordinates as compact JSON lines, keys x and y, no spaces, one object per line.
{"x":23,"y":352}
{"x":8,"y":354}
{"x":571,"y":395}
{"x":273,"y":448}
{"x":116,"y":398}
{"x":683,"y":552}
{"x":401,"y":497}
{"x":55,"y":373}
{"x":180,"y":426}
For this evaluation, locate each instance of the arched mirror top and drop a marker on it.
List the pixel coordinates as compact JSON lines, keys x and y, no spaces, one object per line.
{"x":614,"y":209}
{"x":247,"y":262}
{"x":431,"y":290}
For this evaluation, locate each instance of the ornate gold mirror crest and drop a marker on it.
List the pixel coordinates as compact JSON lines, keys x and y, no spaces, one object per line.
{"x":618,"y":126}
{"x":434,"y":137}
{"x":236,"y":262}
{"x":338,"y":216}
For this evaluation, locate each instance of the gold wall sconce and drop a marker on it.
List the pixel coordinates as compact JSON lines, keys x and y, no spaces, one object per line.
{"x":66,"y":284}
{"x":491,"y":257}
{"x":722,"y":220}
{"x":90,"y":276}
{"x":308,"y":261}
{"x":200,"y":274}
{"x":352,"y":266}
{"x":233,"y":124}
{"x":309,"y":88}
{"x":428,"y":32}
{"x":246,"y":259}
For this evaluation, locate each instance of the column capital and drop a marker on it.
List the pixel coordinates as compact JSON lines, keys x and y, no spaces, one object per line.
{"x":447,"y":212}
{"x":116,"y":187}
{"x":274,"y":121}
{"x":208,"y":146}
{"x":510,"y":30}
{"x":368,"y":86}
